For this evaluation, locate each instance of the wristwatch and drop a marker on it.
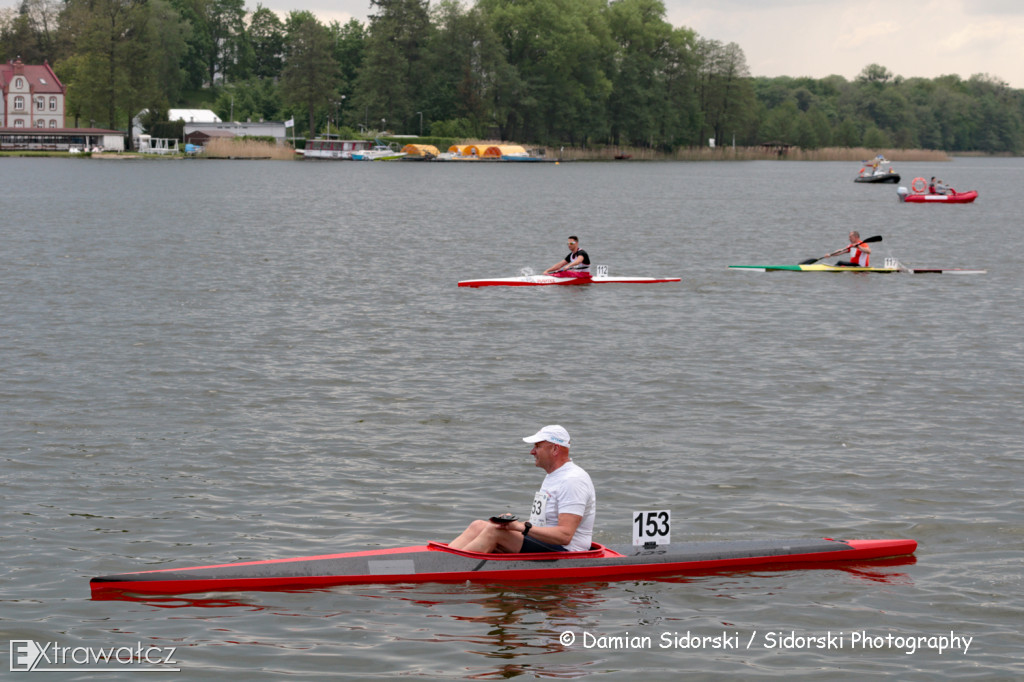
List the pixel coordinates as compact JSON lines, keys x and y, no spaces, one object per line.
{"x":526,"y":527}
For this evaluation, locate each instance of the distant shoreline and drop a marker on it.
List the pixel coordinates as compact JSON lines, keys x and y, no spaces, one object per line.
{"x":762,"y":153}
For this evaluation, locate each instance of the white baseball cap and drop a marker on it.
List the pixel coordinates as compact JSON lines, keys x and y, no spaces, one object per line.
{"x":552,"y":433}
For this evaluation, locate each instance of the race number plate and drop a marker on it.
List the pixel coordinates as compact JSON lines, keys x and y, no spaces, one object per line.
{"x":652,"y":526}
{"x":539,"y":509}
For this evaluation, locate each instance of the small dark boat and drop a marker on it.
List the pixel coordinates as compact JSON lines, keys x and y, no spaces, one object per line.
{"x":890,"y":176}
{"x":873,"y":172}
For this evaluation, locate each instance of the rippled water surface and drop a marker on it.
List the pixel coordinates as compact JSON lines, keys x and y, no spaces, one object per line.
{"x":206,"y":362}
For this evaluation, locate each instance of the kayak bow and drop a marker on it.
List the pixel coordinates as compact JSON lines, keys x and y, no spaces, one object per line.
{"x":437,"y":562}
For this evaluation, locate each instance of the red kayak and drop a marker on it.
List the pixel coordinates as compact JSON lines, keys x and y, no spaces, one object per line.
{"x":600,"y":276}
{"x":437,"y":562}
{"x":549,"y":280}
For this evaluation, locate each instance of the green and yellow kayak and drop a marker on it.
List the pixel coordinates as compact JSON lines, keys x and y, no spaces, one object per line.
{"x":818,"y":267}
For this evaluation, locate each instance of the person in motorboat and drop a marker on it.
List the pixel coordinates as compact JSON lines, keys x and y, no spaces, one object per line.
{"x":860,"y":253}
{"x":576,"y":264}
{"x":563,"y":510}
{"x":942,"y":188}
{"x":931,"y":186}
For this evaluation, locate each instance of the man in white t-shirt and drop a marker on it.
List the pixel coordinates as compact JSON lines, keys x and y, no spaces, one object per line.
{"x":563,"y":510}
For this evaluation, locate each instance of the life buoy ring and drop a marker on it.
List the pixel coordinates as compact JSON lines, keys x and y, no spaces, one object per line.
{"x":919,"y":185}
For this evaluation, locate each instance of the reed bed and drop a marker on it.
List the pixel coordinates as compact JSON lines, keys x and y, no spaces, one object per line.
{"x":246,"y":149}
{"x":759,"y":153}
{"x":255,"y":149}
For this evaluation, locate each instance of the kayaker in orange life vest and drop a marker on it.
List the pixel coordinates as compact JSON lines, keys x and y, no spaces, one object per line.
{"x":860,"y":254}
{"x":576,"y":264}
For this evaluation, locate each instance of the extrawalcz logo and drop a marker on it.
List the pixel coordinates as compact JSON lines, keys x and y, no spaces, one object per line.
{"x":30,"y":656}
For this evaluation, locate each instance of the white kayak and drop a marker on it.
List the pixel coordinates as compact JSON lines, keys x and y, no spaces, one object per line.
{"x":549,"y":280}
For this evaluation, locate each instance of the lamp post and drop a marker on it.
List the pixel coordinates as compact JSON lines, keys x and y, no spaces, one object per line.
{"x":421,"y":122}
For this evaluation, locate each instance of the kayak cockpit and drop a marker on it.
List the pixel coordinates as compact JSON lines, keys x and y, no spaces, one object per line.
{"x":596,"y":551}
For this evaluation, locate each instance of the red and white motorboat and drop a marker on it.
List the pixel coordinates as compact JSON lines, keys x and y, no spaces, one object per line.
{"x":919,"y":194}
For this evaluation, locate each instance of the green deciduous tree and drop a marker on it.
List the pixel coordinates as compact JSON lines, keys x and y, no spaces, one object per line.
{"x":560,"y":51}
{"x":535,"y":71}
{"x":29,"y":31}
{"x":218,"y":45}
{"x":396,"y":69}
{"x":725,"y":93}
{"x":266,"y":35}
{"x":311,"y":75}
{"x":638,"y":103}
{"x":126,"y":54}
{"x":468,"y":71}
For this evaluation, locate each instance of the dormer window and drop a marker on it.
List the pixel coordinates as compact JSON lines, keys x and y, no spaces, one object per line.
{"x":19,"y":84}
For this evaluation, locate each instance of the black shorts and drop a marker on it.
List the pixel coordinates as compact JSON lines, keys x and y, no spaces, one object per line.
{"x":530,"y":545}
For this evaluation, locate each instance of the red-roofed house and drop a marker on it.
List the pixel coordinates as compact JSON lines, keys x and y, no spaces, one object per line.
{"x":32,"y":96}
{"x":32,"y":102}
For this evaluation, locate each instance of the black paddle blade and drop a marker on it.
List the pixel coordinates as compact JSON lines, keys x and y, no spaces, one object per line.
{"x":872,"y":240}
{"x":809,"y":261}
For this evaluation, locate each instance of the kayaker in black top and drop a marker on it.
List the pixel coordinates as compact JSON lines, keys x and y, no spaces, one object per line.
{"x":576,"y":264}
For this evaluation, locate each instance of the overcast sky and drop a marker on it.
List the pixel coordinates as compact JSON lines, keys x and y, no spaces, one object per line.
{"x":818,"y":38}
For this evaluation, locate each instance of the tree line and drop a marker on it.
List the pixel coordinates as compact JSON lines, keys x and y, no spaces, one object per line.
{"x":553,"y":72}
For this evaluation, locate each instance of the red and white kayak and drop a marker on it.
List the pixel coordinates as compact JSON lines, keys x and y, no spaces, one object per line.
{"x":549,"y":280}
{"x":437,"y":562}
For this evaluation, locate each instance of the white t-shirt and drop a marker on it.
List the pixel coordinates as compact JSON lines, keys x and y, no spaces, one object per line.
{"x":567,"y":490}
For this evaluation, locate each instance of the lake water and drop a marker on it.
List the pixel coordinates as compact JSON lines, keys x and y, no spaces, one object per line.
{"x":208,"y":362}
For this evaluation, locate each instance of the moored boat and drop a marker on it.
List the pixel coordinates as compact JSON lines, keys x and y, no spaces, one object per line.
{"x":873,"y":172}
{"x":878,"y":178}
{"x":953,"y":197}
{"x":490,"y":152}
{"x":437,"y":562}
{"x":379,"y":152}
{"x":420,"y":152}
{"x":332,"y":148}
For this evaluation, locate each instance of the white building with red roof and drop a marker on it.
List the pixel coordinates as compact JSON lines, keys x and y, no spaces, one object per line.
{"x":32,"y":108}
{"x":31,"y":96}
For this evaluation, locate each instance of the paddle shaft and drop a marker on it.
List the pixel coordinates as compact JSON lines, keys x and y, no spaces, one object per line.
{"x":869,"y":240}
